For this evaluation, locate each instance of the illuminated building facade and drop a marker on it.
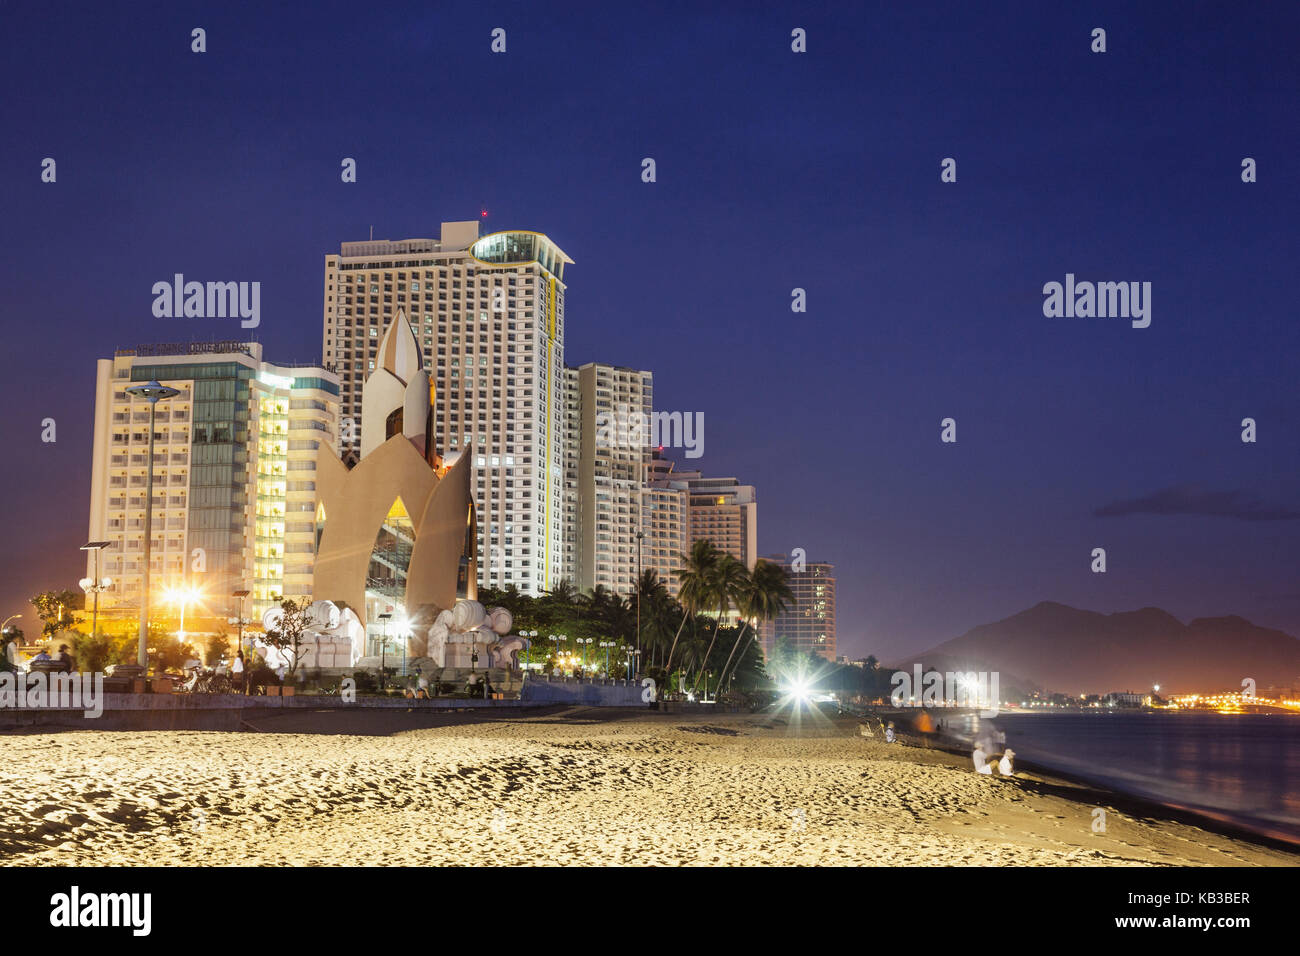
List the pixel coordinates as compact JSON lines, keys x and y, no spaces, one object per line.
{"x":808,"y":622}
{"x":234,"y":472}
{"x":608,"y":412}
{"x":665,"y":521}
{"x":723,"y":511}
{"x":487,"y":315}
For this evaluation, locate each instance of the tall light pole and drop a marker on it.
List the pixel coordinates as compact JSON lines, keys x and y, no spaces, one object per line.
{"x":153,"y":393}
{"x":241,"y":594}
{"x":383,"y":649}
{"x":639,"y":536}
{"x":95,"y":584}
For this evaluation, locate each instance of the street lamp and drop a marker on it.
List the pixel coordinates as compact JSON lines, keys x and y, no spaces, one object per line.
{"x":383,"y":648}
{"x":241,"y":594}
{"x":96,"y":584}
{"x":557,"y":640}
{"x":607,"y":645}
{"x":153,"y":393}
{"x":530,"y":636}
{"x":584,"y":643}
{"x":183,"y":596}
{"x":639,"y":536}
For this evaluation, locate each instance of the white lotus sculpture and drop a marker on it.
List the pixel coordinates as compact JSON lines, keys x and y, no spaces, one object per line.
{"x":468,"y":623}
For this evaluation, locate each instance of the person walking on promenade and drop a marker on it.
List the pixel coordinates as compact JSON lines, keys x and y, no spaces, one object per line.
{"x":239,"y":678}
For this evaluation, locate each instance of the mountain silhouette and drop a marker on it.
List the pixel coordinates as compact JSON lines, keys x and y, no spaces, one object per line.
{"x":1058,"y":648}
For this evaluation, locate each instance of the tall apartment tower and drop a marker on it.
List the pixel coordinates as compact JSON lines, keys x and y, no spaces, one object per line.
{"x":608,"y":409}
{"x":234,"y":502}
{"x":488,"y":313}
{"x":808,"y":622}
{"x":665,"y":520}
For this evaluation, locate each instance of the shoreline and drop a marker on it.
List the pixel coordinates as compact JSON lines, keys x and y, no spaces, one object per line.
{"x":565,"y":786}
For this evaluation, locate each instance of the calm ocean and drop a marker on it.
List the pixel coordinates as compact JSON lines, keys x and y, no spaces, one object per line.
{"x":1244,"y":768}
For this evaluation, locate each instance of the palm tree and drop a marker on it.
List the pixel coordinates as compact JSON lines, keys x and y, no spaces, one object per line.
{"x":765,"y":598}
{"x":562,"y":593}
{"x":727,"y":586}
{"x":693,"y":585}
{"x":655,"y":607}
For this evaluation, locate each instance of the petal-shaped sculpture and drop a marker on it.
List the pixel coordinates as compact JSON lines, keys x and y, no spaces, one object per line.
{"x":501,"y":620}
{"x":271,"y":618}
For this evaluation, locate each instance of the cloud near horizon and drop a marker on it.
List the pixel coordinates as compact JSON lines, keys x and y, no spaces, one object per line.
{"x":1194,"y":500}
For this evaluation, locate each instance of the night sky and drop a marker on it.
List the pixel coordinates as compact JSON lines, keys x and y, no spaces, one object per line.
{"x":775,"y":170}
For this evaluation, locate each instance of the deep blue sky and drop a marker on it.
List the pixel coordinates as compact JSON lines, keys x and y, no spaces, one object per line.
{"x":775,"y":170}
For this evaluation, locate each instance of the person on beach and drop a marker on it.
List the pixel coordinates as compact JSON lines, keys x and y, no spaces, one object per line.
{"x":65,"y":658}
{"x":237,"y":673}
{"x":925,"y":727}
{"x":889,"y":733}
{"x":1004,"y":762}
{"x":1005,"y":765}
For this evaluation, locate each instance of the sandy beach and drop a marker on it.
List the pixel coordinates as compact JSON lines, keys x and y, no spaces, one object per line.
{"x":573,"y":786}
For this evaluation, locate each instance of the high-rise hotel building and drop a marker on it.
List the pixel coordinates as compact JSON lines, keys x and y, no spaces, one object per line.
{"x":488,"y":313}
{"x":608,"y":411}
{"x":234,"y":502}
{"x":808,"y":622}
{"x":680,"y":507}
{"x":665,"y":521}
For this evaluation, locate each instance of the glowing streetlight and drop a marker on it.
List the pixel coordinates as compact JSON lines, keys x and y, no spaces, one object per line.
{"x":182,"y":596}
{"x":96,"y":584}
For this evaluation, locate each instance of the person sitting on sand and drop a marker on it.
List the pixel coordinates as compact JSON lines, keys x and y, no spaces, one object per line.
{"x":889,"y":733}
{"x":1004,"y":763}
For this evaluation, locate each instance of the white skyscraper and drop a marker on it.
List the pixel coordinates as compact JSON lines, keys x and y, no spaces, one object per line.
{"x":608,"y":415}
{"x":489,"y":315}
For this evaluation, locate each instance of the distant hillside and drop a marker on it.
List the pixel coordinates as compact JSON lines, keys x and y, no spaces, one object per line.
{"x":1065,"y":649}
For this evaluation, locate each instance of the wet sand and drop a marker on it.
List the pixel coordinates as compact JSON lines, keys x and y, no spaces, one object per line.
{"x":573,"y":786}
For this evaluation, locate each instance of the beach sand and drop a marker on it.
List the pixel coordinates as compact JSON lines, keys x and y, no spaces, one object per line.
{"x":573,"y":786}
